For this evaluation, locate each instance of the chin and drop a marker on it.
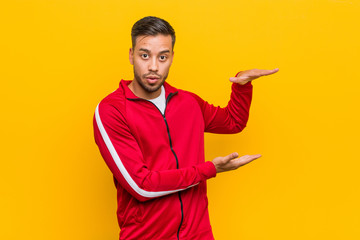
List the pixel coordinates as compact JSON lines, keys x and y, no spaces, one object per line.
{"x":152,"y":88}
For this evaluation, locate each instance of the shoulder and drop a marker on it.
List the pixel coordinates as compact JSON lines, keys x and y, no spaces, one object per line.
{"x":190,"y":96}
{"x":112,"y":106}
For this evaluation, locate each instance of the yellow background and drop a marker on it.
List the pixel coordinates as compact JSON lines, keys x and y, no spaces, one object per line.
{"x":60,"y":58}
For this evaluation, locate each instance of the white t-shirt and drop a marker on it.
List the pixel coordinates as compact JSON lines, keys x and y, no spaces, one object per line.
{"x":160,"y":101}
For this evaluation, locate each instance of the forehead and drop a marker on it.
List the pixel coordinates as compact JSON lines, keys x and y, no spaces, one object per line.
{"x":154,"y":43}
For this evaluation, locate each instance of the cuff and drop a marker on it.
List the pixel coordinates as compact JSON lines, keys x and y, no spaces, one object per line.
{"x":208,"y":170}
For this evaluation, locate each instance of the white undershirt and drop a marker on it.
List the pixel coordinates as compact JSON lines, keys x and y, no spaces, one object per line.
{"x":160,"y":100}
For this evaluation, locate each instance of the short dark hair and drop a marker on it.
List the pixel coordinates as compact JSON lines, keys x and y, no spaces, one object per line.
{"x":152,"y":26}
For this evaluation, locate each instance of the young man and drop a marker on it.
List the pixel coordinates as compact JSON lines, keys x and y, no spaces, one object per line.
{"x":151,"y":136}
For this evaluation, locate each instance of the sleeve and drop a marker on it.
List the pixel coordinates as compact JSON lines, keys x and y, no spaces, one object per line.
{"x":124,"y":158}
{"x":233,"y":117}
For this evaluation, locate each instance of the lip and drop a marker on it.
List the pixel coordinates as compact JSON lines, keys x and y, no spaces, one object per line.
{"x":152,"y":79}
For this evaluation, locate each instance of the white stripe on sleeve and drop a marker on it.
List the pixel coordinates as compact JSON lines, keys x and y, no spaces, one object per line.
{"x":121,"y":167}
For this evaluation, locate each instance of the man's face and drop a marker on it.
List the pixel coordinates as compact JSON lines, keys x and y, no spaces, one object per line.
{"x":152,"y":57}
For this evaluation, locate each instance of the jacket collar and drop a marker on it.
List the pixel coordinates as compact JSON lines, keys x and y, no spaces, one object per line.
{"x":124,"y":85}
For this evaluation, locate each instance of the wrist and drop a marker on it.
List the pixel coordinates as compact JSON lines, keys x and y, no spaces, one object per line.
{"x":215,"y":167}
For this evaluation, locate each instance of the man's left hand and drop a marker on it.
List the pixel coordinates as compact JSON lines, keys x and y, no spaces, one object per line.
{"x":249,"y":75}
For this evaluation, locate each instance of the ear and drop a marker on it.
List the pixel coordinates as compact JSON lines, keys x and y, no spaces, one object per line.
{"x":131,"y":56}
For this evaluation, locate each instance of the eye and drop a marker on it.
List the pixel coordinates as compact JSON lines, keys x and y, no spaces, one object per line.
{"x":144,"y":55}
{"x":163,"y":57}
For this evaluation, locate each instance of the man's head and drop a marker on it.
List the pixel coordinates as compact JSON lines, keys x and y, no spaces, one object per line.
{"x":153,"y":41}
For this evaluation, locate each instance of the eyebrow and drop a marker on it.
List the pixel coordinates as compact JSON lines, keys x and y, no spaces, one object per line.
{"x":145,"y":50}
{"x":148,"y":51}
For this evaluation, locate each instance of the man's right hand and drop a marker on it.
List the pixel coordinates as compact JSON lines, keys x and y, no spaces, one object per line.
{"x":232,"y":162}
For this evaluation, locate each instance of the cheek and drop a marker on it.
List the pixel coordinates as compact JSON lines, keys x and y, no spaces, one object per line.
{"x":139,"y":66}
{"x":166,"y":67}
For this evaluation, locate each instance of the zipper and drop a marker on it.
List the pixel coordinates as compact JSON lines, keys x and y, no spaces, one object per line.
{"x":177,"y":165}
{"x":172,"y":150}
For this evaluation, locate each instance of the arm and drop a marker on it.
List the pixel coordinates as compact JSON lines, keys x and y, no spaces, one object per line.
{"x":232,"y":118}
{"x":124,"y":158}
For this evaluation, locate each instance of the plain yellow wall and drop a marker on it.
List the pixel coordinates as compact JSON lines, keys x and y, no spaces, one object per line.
{"x":59,"y":58}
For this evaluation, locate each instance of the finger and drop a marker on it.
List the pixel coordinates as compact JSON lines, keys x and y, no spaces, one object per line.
{"x":273,"y":71}
{"x":264,"y":72}
{"x":248,"y":158}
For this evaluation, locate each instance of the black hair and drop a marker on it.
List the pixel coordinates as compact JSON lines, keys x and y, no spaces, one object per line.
{"x":152,"y":26}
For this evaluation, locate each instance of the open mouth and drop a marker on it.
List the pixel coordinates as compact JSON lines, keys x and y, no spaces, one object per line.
{"x":152,"y":79}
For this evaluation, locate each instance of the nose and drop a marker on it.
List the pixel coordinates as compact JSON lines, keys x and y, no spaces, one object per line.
{"x":153,"y":65}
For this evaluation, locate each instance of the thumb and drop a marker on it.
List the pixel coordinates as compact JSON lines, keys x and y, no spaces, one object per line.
{"x":239,"y":79}
{"x":233,"y":79}
{"x":231,"y":156}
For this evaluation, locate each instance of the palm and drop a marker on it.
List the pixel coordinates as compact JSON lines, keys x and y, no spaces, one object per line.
{"x":249,"y":75}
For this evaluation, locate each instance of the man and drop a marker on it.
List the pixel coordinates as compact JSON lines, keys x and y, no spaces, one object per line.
{"x":151,"y":136}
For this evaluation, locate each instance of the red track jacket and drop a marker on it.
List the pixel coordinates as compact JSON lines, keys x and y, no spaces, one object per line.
{"x":158,"y":160}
